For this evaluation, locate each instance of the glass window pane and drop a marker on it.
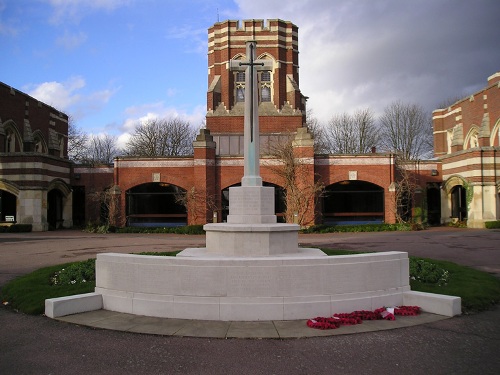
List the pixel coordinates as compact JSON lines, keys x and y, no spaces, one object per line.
{"x":224,"y":145}
{"x":234,"y":144}
{"x":240,"y":94}
{"x":266,"y":94}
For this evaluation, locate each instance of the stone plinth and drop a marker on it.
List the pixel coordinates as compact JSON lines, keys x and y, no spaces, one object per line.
{"x":251,"y":228}
{"x":251,"y":239}
{"x":251,"y":205}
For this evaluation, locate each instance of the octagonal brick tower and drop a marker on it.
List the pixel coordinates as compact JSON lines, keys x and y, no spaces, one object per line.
{"x":281,"y":104}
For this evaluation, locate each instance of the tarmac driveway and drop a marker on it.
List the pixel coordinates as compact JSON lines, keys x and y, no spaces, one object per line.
{"x":38,"y":345}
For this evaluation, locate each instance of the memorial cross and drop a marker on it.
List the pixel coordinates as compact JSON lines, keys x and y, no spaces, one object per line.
{"x":251,"y":120}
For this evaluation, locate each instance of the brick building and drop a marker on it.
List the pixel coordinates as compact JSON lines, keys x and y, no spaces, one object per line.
{"x":466,"y":141}
{"x":194,"y":190}
{"x":34,"y":169}
{"x":358,"y":188}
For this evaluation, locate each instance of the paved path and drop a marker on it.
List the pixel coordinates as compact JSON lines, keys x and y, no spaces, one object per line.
{"x":38,"y":345}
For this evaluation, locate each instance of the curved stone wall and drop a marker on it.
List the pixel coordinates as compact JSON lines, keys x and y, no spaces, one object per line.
{"x":286,"y":287}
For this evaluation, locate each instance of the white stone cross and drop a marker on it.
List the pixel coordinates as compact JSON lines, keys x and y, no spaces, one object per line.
{"x":251,"y":148}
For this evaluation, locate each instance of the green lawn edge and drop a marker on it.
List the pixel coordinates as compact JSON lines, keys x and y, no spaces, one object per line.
{"x":478,"y":290}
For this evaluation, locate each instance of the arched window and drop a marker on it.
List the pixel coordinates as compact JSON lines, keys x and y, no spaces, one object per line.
{"x":449,"y":139}
{"x":39,"y":142}
{"x":265,"y":86}
{"x":61,"y":146}
{"x":10,"y":141}
{"x":240,"y":86}
{"x":472,"y":139}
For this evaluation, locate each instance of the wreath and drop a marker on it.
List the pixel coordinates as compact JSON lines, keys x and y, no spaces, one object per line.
{"x":357,"y":317}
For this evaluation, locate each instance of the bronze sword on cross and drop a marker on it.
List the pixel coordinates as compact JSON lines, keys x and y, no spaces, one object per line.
{"x":251,"y":63}
{"x":251,"y":155}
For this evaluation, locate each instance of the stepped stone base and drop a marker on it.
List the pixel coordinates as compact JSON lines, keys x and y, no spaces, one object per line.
{"x":248,"y":240}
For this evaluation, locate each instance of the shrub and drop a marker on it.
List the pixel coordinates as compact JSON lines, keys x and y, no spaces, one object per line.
{"x":492,"y":224}
{"x":16,"y":228}
{"x":428,"y":272}
{"x":75,"y":273}
{"x":96,"y":228}
{"x":188,"y":229}
{"x":322,"y":228}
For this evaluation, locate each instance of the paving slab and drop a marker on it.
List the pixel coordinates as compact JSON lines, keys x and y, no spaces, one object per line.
{"x":215,"y":329}
{"x":254,"y":330}
{"x":204,"y":328}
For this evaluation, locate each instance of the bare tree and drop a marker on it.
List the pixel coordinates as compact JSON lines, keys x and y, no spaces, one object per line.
{"x":101,"y":149}
{"x":196,"y":202}
{"x":406,"y":129}
{"x":405,"y":189}
{"x":352,"y":134}
{"x":449,"y":101}
{"x":77,"y":141}
{"x":105,"y":210}
{"x":162,"y":137}
{"x":300,"y":192}
{"x":318,"y":133}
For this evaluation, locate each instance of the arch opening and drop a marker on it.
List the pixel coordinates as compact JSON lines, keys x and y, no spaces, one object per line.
{"x":353,"y":202}
{"x":55,"y":205}
{"x":458,"y":203}
{"x":8,"y":204}
{"x":155,"y":204}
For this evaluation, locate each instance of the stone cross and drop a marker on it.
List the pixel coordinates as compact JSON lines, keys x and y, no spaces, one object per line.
{"x":251,"y":148}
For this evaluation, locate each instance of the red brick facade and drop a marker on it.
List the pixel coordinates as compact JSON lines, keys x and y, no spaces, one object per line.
{"x":215,"y":167}
{"x":466,"y":140}
{"x":369,"y":181}
{"x":35,"y":172}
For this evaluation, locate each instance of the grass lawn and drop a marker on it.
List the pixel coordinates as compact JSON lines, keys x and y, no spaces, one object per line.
{"x":479,"y":290}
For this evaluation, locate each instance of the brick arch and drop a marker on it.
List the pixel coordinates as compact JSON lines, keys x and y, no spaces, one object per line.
{"x":177,"y":181}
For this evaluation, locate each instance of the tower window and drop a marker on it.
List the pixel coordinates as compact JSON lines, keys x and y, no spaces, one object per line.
{"x":240,"y":86}
{"x":265,"y":86}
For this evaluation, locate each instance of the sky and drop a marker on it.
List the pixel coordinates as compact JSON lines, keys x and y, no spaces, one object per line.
{"x":110,"y":64}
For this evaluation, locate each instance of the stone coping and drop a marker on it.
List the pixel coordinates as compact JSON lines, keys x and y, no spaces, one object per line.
{"x":251,"y":227}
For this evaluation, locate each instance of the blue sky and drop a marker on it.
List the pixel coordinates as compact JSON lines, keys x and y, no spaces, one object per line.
{"x":112,"y":63}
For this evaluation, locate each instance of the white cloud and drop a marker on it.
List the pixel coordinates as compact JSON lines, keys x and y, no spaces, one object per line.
{"x":359,"y":54}
{"x":70,"y":96}
{"x":59,"y":95}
